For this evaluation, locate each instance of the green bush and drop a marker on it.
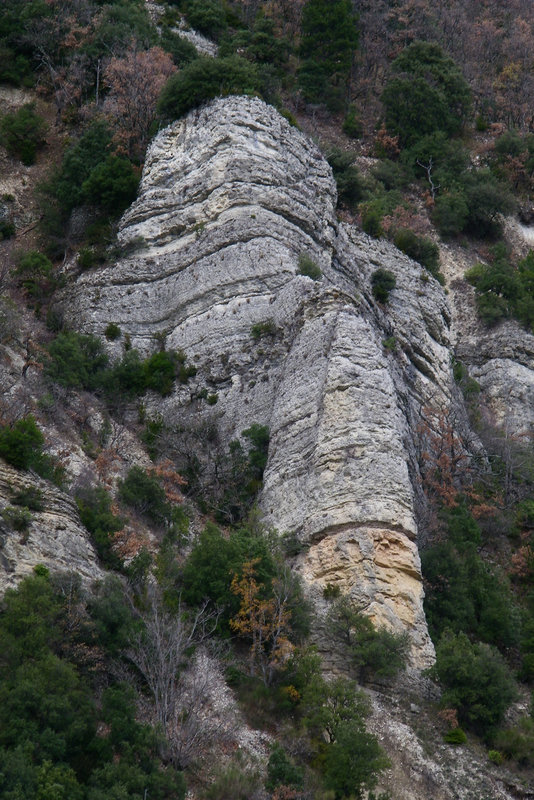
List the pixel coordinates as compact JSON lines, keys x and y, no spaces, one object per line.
{"x":216,"y":558}
{"x":181,"y":50}
{"x":76,"y":361}
{"x":144,"y":493}
{"x":353,"y":762}
{"x":329,"y":37}
{"x":94,"y":506}
{"x":382,"y":282}
{"x":476,"y":680}
{"x":420,"y":249}
{"x":308,"y":267}
{"x":504,"y":290}
{"x":160,"y":371}
{"x":207,"y":17}
{"x":234,"y":782}
{"x":7,"y":229}
{"x":21,"y":445}
{"x":427,"y":93}
{"x":450,"y":213}
{"x":391,"y":174}
{"x":281,"y":771}
{"x":375,"y":653}
{"x":17,"y":518}
{"x":350,"y":185}
{"x":372,"y":222}
{"x":23,"y":132}
{"x":80,"y":159}
{"x":112,"y":332}
{"x":29,"y":496}
{"x":517,"y":743}
{"x":35,"y":274}
{"x":352,"y":125}
{"x":204,"y":79}
{"x":455,"y":736}
{"x":111,"y":185}
{"x":265,"y":328}
{"x":462,"y":592}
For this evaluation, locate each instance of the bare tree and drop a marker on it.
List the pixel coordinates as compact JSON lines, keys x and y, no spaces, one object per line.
{"x":160,"y":653}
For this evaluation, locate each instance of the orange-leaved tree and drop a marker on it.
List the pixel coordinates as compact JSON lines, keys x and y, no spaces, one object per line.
{"x":134,"y":83}
{"x":263,"y":619}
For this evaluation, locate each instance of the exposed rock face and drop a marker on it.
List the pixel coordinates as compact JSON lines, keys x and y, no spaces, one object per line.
{"x":55,"y":536}
{"x":231,"y":196}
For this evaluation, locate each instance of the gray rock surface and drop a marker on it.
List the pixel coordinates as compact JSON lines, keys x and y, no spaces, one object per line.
{"x":55,"y":536}
{"x":230,"y":197}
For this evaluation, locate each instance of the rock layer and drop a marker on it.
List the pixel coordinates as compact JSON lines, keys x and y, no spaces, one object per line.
{"x":55,"y":536}
{"x":230,"y":198}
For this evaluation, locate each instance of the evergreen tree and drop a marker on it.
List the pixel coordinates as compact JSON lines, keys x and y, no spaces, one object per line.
{"x":329,"y":38}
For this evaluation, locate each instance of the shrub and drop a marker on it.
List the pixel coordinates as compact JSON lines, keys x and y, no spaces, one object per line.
{"x":112,"y":332}
{"x":22,"y":133}
{"x":216,"y":558}
{"x":111,"y":185}
{"x":308,"y":267}
{"x":160,"y":370}
{"x":450,"y":213}
{"x":350,"y":186}
{"x":81,"y":158}
{"x":419,"y":248}
{"x":455,"y":736}
{"x":427,"y":93}
{"x":476,"y":680}
{"x":76,"y":361}
{"x":462,"y":592}
{"x":352,"y":125}
{"x":383,"y":282}
{"x":374,"y":652}
{"x":328,"y":39}
{"x":7,"y":229}
{"x":21,"y":443}
{"x":353,"y":761}
{"x":29,"y":496}
{"x":282,"y":772}
{"x":35,"y":274}
{"x":265,"y":328}
{"x":372,"y":222}
{"x":517,"y":743}
{"x":206,"y":16}
{"x":181,"y":50}
{"x":144,"y":493}
{"x":234,"y":782}
{"x":204,"y":79}
{"x":94,"y":506}
{"x":391,"y":174}
{"x":17,"y":518}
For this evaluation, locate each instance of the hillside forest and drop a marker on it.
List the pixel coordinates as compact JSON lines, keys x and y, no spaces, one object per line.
{"x":425,"y":113}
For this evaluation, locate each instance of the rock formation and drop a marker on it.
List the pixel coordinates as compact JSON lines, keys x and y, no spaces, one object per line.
{"x":55,"y":536}
{"x":231,"y":199}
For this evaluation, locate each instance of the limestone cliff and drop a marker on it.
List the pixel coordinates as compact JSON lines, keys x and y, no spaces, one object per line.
{"x":231,"y":197}
{"x":55,"y":536}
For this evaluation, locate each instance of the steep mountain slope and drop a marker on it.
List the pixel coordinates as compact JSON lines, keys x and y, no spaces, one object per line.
{"x":231,"y":198}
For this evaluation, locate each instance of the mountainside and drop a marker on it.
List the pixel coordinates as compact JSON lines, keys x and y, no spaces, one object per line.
{"x":230,"y":198}
{"x":267,"y":400}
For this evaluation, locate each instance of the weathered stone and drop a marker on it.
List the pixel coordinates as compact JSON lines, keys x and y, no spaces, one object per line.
{"x":55,"y":537}
{"x":230,"y":197}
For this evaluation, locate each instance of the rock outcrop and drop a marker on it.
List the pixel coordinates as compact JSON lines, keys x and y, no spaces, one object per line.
{"x":231,"y":199}
{"x":54,"y":537}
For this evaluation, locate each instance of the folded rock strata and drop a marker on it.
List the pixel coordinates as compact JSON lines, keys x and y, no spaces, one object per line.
{"x":231,"y":197}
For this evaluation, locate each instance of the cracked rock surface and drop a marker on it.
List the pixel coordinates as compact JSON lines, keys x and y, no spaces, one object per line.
{"x":231,"y":197}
